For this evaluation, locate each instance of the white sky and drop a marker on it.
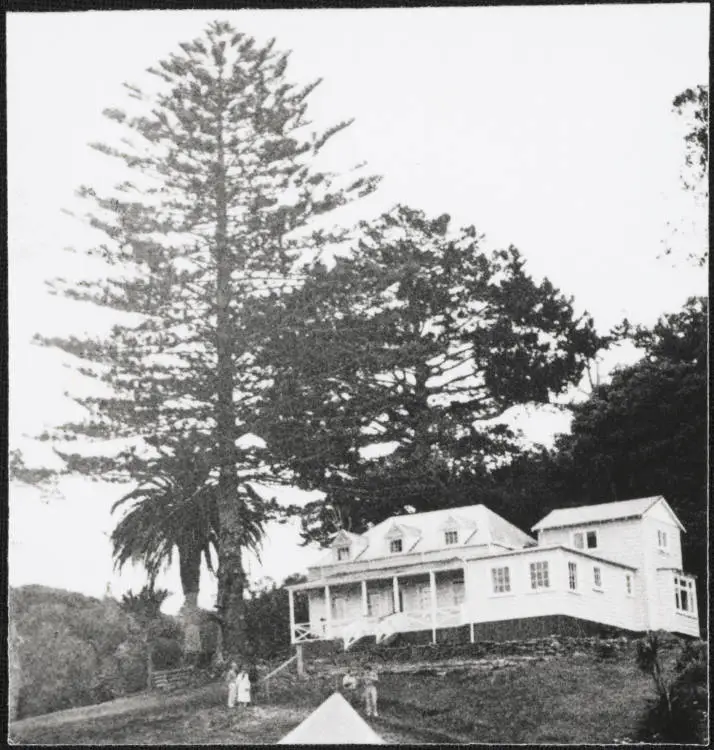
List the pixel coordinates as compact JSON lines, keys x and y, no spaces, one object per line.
{"x":546,"y":127}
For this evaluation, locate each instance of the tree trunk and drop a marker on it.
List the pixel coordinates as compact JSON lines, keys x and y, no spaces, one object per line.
{"x":149,"y":665}
{"x":190,"y":572}
{"x":420,"y":414}
{"x":230,"y":565}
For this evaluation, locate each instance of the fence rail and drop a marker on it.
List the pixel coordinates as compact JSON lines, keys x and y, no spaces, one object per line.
{"x":277,"y":670}
{"x":352,"y":629}
{"x":170,"y":678}
{"x":305,"y":632}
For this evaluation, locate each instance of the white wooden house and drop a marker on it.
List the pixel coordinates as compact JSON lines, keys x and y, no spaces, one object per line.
{"x":468,"y":573}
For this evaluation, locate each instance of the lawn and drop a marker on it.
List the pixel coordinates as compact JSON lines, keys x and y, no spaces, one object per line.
{"x":192,"y":717}
{"x":563,"y":700}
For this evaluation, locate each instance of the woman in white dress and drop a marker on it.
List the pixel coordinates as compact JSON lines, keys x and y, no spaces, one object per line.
{"x":243,"y":687}
{"x":231,"y":679}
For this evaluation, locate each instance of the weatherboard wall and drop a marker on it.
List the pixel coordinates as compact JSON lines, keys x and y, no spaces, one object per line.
{"x":609,"y":605}
{"x":620,"y":540}
{"x":623,"y":541}
{"x":660,"y":607}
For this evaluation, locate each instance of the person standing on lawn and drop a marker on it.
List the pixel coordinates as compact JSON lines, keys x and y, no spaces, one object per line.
{"x":369,"y":680}
{"x":243,"y":687}
{"x":254,"y":677}
{"x":349,"y":687}
{"x":231,"y":678}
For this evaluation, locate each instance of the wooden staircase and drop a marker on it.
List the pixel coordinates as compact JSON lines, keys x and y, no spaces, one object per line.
{"x":359,"y":630}
{"x":385,"y":630}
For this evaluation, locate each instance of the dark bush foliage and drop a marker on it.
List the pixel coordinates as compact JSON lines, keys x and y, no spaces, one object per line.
{"x":682,"y":719}
{"x":605,"y":650}
{"x":73,"y":650}
{"x":166,"y":653}
{"x":267,"y":619}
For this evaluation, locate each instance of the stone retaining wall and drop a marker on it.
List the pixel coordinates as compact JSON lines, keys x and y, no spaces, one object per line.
{"x":411,"y":657}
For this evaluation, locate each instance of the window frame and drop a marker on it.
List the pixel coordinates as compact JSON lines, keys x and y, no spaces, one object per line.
{"x":501,"y":580}
{"x":597,"y":578}
{"x":628,"y":584}
{"x":396,"y":546}
{"x":572,"y":576}
{"x":584,"y":535}
{"x":448,"y":533}
{"x":686,"y":586}
{"x":343,"y":548}
{"x":539,"y":569}
{"x":662,"y":542}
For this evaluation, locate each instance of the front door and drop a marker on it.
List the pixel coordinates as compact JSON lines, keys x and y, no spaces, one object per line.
{"x":378,"y":603}
{"x":339,"y":607}
{"x":457,"y":591}
{"x":423,"y":596}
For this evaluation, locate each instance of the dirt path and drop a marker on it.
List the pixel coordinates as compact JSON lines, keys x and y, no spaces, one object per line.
{"x":134,"y":705}
{"x":197,"y":716}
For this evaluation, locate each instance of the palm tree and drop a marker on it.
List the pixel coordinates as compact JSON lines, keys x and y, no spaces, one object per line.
{"x":175,"y":509}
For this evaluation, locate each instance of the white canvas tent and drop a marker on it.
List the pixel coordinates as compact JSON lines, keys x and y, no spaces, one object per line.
{"x":334,"y":722}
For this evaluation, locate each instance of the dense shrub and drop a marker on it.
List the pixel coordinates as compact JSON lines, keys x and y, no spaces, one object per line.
{"x":267,"y":618}
{"x":679,"y":714}
{"x":166,"y":653}
{"x":74,"y":650}
{"x":605,"y":650}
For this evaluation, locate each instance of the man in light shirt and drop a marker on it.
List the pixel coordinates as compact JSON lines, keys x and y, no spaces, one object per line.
{"x":369,"y":680}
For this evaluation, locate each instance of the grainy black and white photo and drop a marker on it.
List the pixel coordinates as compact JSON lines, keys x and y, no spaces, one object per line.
{"x":358,"y":375}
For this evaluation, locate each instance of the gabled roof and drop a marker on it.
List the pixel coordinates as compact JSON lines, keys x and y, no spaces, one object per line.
{"x":603,"y":512}
{"x":457,"y":521}
{"x":343,"y":537}
{"x":334,"y":722}
{"x":505,"y":533}
{"x":424,"y":532}
{"x":401,"y":529}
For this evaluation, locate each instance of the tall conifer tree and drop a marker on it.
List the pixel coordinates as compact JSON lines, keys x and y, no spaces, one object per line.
{"x":420,"y":340}
{"x":222,"y":184}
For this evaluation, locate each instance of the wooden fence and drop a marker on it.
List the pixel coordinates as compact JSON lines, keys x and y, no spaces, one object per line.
{"x":168,"y":679}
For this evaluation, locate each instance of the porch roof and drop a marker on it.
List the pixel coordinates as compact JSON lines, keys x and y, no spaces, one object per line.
{"x":453,"y":563}
{"x":680,"y":572}
{"x":549,"y":547}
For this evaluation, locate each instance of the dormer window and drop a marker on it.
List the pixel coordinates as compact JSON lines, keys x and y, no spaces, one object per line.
{"x":402,"y":538}
{"x":451,"y":536}
{"x":347,"y":547}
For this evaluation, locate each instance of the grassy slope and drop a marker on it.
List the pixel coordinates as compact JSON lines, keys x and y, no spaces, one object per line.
{"x":573,"y":700}
{"x":566,"y":700}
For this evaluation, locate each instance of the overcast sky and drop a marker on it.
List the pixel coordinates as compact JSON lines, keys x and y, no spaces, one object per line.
{"x":547,"y":127}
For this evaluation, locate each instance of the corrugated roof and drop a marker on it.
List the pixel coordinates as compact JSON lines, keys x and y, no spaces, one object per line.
{"x":535,"y":551}
{"x":602,"y":512}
